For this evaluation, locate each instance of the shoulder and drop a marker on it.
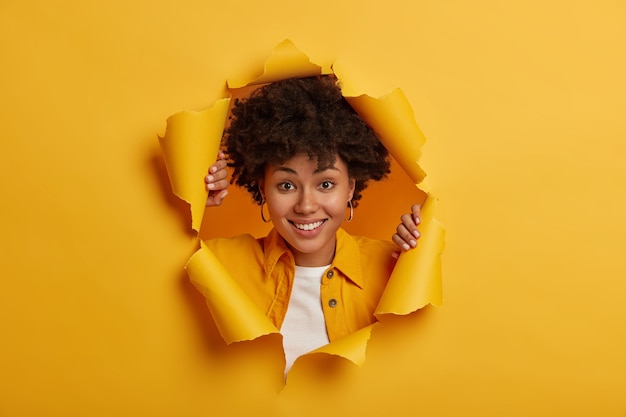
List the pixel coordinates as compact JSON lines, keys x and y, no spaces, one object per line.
{"x":374,"y":244}
{"x":376,"y":255}
{"x":366,"y":245}
{"x":364,"y":259}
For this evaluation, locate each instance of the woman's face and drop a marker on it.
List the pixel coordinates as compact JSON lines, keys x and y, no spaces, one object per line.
{"x":307,"y":205}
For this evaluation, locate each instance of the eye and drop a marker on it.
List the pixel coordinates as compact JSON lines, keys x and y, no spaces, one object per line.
{"x":285,"y":186}
{"x":327,"y":185}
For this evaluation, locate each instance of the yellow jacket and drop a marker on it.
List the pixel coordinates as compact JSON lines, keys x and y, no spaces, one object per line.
{"x":351,"y":286}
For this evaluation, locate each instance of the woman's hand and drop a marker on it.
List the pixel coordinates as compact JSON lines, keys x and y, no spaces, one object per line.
{"x":406,"y":233}
{"x":216,"y":181}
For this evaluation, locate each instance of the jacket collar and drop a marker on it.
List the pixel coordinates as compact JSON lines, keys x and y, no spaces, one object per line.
{"x":347,"y":255}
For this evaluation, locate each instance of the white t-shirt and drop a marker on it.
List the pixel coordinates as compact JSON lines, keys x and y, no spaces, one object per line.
{"x":304,"y":328}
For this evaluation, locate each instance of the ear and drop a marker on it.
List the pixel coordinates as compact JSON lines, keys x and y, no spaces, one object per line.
{"x":261,"y":186}
{"x":351,"y":188}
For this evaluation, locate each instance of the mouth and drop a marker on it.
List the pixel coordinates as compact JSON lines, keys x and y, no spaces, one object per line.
{"x":308,"y":226}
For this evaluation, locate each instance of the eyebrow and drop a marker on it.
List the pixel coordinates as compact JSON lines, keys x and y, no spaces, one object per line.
{"x":293,"y":171}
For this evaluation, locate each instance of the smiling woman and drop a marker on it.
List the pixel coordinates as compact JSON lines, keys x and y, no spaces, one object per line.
{"x":298,"y":147}
{"x":307,"y":205}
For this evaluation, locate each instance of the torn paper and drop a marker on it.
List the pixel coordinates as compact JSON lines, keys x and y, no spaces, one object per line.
{"x":190,"y":146}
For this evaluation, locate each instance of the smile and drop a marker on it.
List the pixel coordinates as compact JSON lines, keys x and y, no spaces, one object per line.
{"x":308,"y":226}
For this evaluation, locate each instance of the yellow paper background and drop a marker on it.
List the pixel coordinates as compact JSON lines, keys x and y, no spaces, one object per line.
{"x":522,"y":105}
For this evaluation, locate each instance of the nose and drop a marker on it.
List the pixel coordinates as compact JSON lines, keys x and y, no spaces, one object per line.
{"x":307,"y":202}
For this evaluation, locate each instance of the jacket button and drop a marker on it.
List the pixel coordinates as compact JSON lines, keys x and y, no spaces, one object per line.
{"x":330,"y":274}
{"x":332,"y":302}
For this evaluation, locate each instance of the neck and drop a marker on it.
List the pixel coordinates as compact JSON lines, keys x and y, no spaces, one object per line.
{"x":321,"y":258}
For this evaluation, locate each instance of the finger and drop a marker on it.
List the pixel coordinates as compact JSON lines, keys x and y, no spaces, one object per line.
{"x":215,"y":175}
{"x":409,"y":223}
{"x":405,"y":236}
{"x":219,"y":197}
{"x":212,"y":178}
{"x":217,"y":185}
{"x":216,"y":198}
{"x":219,"y":175}
{"x":400,"y":242}
{"x":416,"y":209}
{"x":218,"y":165}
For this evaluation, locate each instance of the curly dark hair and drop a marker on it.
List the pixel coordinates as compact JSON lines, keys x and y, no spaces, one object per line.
{"x":301,"y":115}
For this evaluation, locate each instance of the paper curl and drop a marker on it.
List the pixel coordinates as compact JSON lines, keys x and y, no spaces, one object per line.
{"x":190,"y":146}
{"x":236,"y":316}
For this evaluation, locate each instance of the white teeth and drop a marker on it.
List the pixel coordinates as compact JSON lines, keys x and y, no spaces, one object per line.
{"x":308,"y":226}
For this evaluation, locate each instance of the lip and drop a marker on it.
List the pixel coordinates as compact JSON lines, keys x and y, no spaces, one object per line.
{"x":316,"y":228}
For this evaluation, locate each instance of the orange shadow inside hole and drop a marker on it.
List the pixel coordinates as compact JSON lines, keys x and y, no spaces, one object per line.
{"x":377,"y":215}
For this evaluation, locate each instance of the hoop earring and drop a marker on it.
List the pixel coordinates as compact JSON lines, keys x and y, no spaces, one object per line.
{"x":351,"y":211}
{"x":262,"y":215}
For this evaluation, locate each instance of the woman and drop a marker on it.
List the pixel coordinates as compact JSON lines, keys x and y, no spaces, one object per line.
{"x":300,"y":149}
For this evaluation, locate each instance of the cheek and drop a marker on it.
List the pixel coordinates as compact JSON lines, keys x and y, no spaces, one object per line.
{"x":278,"y":203}
{"x":338,"y":204}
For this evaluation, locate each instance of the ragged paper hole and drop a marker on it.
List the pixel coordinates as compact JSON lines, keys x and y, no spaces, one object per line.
{"x":190,"y":145}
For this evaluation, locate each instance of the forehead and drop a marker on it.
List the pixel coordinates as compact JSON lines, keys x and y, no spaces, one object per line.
{"x":301,"y":163}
